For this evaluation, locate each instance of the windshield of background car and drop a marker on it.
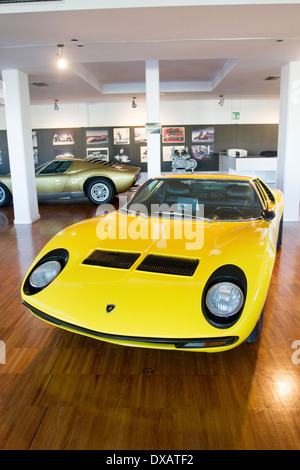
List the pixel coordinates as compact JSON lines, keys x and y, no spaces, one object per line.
{"x":212,"y":199}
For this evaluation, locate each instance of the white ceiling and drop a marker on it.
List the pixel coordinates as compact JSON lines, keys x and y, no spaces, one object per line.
{"x":203,"y":51}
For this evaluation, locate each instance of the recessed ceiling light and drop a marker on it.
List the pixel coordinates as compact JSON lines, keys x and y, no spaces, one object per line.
{"x":40,"y":84}
{"x":74,"y":40}
{"x":272,"y":77}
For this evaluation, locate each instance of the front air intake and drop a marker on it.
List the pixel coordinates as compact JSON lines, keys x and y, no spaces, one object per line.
{"x":112,"y":259}
{"x":169,"y":265}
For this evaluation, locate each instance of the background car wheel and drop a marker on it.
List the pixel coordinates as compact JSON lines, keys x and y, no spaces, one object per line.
{"x":256,"y":330}
{"x":5,"y":195}
{"x":100,"y":191}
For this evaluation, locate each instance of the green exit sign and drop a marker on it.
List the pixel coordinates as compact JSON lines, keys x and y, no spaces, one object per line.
{"x":235,"y":116}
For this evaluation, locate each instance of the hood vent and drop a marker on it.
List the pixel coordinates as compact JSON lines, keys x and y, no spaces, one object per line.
{"x":169,"y":265}
{"x":112,"y":259}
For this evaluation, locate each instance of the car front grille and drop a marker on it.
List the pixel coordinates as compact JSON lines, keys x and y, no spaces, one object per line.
{"x":159,"y":264}
{"x":169,"y":265}
{"x":112,"y":259}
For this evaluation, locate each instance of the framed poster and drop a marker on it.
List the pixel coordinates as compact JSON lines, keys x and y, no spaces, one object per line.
{"x":96,"y":136}
{"x":101,"y":152}
{"x":143,"y":154}
{"x":203,"y":134}
{"x":63,"y":137}
{"x":202,"y":152}
{"x":121,"y":136}
{"x":173,"y":135}
{"x":140,"y":135}
{"x":63,"y":153}
{"x":167,"y":152}
{"x":153,"y":128}
{"x":122,"y":155}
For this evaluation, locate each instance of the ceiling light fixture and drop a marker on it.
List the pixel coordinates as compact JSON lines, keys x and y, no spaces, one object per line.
{"x":221,"y":101}
{"x":61,"y":63}
{"x":56,"y":108}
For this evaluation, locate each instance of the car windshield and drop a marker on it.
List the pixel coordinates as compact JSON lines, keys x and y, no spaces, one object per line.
{"x":196,"y":198}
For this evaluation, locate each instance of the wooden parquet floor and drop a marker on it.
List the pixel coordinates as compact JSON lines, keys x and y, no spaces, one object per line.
{"x":59,"y":390}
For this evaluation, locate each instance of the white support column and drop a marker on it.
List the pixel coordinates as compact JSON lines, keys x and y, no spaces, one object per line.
{"x":288,"y":165}
{"x":19,"y":136}
{"x":153,"y":116}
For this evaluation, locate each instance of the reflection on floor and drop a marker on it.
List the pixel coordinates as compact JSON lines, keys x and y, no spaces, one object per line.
{"x":60,"y":390}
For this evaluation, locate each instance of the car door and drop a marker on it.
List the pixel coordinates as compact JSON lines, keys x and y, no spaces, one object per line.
{"x":53,"y":177}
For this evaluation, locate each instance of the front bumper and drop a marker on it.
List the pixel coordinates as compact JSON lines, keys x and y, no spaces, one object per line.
{"x":210,"y":343}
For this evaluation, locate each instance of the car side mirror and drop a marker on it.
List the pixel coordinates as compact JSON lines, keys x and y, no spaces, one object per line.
{"x":268,"y":215}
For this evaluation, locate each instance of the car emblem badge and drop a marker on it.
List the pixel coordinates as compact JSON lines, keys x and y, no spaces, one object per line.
{"x":110,"y":308}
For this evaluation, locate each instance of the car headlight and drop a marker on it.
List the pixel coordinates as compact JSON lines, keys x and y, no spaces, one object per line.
{"x":224,"y":299}
{"x":44,"y":274}
{"x":45,"y":271}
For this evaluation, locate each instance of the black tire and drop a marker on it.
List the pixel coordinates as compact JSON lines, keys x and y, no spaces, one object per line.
{"x":100,"y":191}
{"x":279,"y":239}
{"x":255,"y":334}
{"x":5,"y":195}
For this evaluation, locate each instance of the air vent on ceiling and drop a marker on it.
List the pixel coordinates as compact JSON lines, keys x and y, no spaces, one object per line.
{"x":40,"y":84}
{"x":28,"y":1}
{"x":272,"y":77}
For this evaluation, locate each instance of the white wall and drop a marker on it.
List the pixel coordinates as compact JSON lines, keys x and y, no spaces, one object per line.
{"x":252,"y":111}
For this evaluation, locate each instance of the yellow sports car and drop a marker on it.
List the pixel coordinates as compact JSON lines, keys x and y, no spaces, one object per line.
{"x":98,"y":179}
{"x":184,"y":265}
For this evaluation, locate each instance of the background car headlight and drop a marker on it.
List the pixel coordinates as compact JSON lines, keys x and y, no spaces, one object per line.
{"x":44,"y":274}
{"x":224,"y":299}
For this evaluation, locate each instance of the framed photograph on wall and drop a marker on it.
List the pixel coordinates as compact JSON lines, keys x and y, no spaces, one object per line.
{"x":173,"y":135}
{"x":34,"y":139}
{"x":35,"y":156}
{"x":121,"y":135}
{"x":63,"y":137}
{"x":202,"y":152}
{"x":122,"y":155}
{"x":153,"y":128}
{"x":140,"y":135}
{"x":96,"y":136}
{"x":102,"y":153}
{"x":167,"y":151}
{"x":64,"y":153}
{"x":143,"y":154}
{"x":203,"y":134}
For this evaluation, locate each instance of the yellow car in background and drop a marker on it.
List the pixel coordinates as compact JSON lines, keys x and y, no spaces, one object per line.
{"x":98,"y":179}
{"x":185,"y":265}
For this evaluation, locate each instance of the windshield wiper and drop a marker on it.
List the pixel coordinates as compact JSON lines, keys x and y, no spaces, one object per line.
{"x":181,"y":214}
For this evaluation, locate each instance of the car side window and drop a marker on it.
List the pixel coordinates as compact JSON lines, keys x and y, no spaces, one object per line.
{"x":56,"y":167}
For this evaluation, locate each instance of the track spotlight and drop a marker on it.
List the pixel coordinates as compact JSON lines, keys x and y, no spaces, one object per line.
{"x":221,"y":101}
{"x":134,"y":105}
{"x":61,"y":63}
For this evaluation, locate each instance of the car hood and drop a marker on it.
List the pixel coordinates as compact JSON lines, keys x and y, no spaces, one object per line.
{"x":148,"y":303}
